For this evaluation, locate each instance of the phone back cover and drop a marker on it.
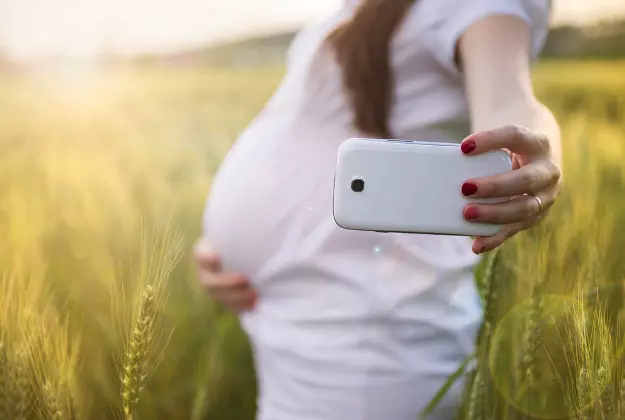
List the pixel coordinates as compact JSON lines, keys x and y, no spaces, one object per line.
{"x":412,"y":187}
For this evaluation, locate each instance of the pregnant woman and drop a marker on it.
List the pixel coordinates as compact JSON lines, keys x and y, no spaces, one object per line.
{"x":349,"y":325}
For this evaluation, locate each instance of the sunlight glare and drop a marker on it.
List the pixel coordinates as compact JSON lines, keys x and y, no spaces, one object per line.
{"x":85,"y":28}
{"x":77,"y":83}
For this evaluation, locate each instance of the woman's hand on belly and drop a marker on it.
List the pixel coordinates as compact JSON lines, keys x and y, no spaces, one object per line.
{"x":230,"y":289}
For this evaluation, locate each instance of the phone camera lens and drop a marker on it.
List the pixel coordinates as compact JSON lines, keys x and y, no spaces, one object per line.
{"x":358,"y":185}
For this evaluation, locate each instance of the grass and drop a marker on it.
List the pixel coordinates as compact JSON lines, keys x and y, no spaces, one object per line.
{"x":104,"y":176}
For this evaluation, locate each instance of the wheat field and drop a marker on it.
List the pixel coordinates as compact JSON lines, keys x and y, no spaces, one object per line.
{"x":103,"y":177}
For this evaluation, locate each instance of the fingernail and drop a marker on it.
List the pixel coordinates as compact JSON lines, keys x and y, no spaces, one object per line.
{"x":468,"y":188}
{"x":471,"y":213}
{"x":479,"y":251}
{"x":468,"y":146}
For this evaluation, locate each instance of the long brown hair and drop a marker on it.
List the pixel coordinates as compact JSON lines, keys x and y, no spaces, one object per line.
{"x":362,"y":48}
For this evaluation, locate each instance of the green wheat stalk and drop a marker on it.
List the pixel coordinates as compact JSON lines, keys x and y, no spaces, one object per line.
{"x":478,"y":393}
{"x":474,"y":389}
{"x":476,"y":409}
{"x":463,"y":409}
{"x":429,"y":409}
{"x":492,"y":298}
{"x":532,"y":338}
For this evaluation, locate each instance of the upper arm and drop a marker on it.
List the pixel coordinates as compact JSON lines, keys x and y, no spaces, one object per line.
{"x":487,"y":44}
{"x":494,"y":56}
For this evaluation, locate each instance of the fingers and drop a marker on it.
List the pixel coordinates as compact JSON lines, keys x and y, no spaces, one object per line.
{"x":215,"y":282}
{"x":534,"y":183}
{"x":532,"y":178}
{"x":238,"y":300}
{"x":232,"y":290}
{"x":488,"y":243}
{"x":517,"y":209}
{"x":515,"y":138}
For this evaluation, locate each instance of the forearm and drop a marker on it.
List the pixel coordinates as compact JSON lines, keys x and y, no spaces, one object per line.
{"x":497,"y":71}
{"x":529,"y":113}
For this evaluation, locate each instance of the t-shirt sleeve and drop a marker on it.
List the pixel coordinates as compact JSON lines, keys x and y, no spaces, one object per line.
{"x":442,"y":22}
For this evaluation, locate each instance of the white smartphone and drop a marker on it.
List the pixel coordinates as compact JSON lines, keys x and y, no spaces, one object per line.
{"x":410,"y":186}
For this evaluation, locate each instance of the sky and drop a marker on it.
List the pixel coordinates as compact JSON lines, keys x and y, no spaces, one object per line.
{"x":34,"y":28}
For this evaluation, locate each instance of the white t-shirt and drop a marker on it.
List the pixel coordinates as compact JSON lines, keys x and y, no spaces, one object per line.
{"x":351,"y":325}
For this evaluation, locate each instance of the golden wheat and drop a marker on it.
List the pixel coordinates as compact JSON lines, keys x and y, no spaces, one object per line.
{"x":135,"y":369}
{"x":594,"y":355}
{"x":22,"y":386}
{"x":53,"y":408}
{"x":84,"y":165}
{"x":160,"y":253}
{"x":5,"y":385}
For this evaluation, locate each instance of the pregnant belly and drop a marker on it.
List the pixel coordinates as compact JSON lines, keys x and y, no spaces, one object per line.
{"x":274,"y":185}
{"x":244,"y":218}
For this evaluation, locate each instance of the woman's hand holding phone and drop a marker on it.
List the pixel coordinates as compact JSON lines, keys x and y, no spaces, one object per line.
{"x":528,"y":190}
{"x":230,"y":289}
{"x":534,"y":183}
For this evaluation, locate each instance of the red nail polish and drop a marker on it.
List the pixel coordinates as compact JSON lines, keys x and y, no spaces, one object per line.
{"x":468,"y":188}
{"x":468,"y":146}
{"x":471,"y":213}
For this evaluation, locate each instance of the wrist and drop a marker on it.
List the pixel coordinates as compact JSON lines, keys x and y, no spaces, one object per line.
{"x":531,"y":114}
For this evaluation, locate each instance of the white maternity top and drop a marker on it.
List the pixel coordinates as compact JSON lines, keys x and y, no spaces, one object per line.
{"x":351,"y":325}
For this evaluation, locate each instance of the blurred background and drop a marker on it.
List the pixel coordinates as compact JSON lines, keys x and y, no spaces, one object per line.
{"x":113,"y":117}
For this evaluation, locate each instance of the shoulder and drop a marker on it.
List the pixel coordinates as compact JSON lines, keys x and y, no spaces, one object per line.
{"x":450,"y":12}
{"x":443,"y":22}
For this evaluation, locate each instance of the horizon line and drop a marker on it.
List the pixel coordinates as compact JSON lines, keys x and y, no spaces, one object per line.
{"x":225,"y":41}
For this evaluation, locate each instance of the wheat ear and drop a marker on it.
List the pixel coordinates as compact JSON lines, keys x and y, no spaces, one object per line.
{"x":533,"y":334}
{"x":478,"y":394}
{"x":607,"y":402}
{"x":135,"y":368}
{"x":620,"y":386}
{"x":52,"y":405}
{"x":21,"y":384}
{"x":5,"y":385}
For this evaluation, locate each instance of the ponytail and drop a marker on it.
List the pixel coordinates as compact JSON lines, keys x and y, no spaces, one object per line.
{"x":362,"y":48}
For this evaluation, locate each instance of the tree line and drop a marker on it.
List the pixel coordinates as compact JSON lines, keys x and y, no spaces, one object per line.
{"x":604,"y":40}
